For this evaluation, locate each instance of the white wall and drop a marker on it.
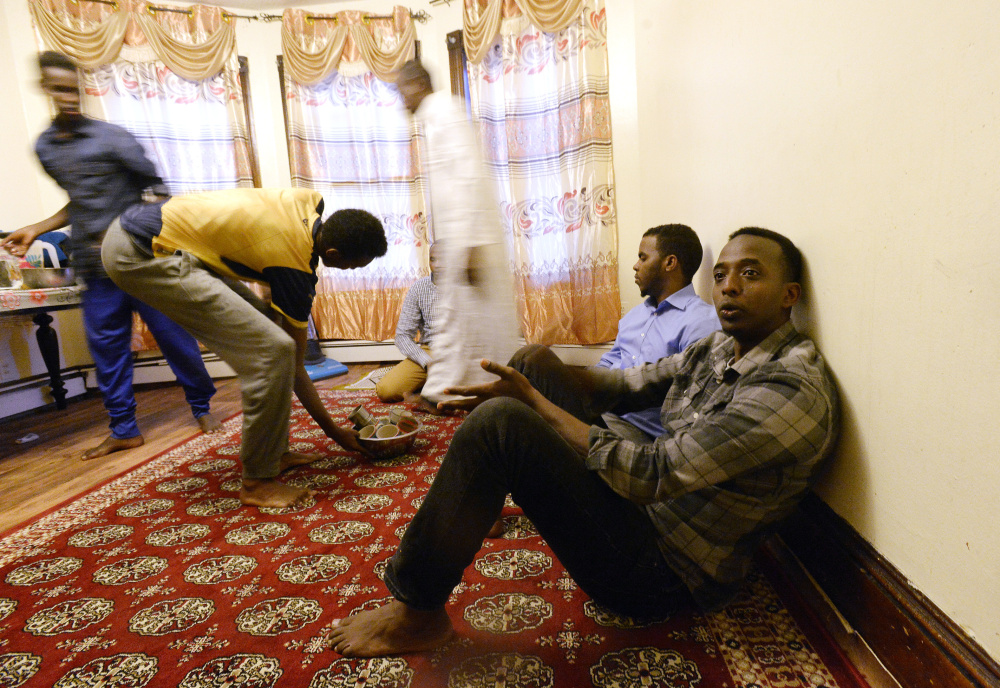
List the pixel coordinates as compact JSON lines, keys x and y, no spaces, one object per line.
{"x":868,"y":133}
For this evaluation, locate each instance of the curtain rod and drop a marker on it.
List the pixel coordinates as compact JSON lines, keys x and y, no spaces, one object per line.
{"x":153,"y":10}
{"x":420,"y":16}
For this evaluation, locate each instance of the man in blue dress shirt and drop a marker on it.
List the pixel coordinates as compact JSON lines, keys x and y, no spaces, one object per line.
{"x":104,"y":170}
{"x":670,"y":318}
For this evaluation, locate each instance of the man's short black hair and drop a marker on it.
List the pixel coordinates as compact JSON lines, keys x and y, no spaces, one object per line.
{"x":52,"y":59}
{"x":791,"y":253}
{"x":413,"y":70}
{"x":355,"y":233}
{"x":680,"y":241}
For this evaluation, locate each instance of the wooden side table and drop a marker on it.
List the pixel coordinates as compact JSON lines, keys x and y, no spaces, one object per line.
{"x":38,"y":302}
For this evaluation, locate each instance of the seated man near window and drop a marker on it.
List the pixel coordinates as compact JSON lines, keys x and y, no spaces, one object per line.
{"x":750,"y":414}
{"x":416,"y":319}
{"x":670,"y":319}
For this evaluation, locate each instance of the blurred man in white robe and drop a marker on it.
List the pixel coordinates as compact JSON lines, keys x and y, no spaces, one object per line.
{"x":475,"y":312}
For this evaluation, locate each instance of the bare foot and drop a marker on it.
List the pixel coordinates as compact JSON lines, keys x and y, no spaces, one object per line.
{"x":272,"y":493}
{"x":111,"y":445}
{"x":391,"y":630}
{"x":209,"y":423}
{"x":421,"y":404}
{"x":292,"y":459}
{"x":497,"y":530}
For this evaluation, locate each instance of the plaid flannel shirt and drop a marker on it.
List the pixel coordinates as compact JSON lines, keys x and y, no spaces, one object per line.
{"x":743,"y":444}
{"x":417,"y":317}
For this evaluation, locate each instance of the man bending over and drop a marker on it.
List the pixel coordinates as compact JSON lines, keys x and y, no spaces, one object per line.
{"x":186,"y":257}
{"x":749,"y":415}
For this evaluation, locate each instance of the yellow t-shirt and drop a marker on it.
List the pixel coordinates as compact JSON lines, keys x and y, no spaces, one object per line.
{"x":261,"y":235}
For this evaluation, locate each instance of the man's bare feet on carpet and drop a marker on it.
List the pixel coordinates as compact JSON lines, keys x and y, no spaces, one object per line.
{"x":209,"y":423}
{"x":292,"y":459}
{"x":419,"y":403}
{"x":111,"y":445}
{"x":271,"y":493}
{"x":391,"y":630}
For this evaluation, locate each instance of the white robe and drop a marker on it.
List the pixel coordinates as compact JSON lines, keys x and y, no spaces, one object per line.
{"x":472,"y":322}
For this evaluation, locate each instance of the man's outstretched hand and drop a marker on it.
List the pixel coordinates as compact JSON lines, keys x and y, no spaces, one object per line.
{"x":510,"y":383}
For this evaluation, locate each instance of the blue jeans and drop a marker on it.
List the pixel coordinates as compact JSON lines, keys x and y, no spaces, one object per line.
{"x":107,"y":320}
{"x":607,"y":543}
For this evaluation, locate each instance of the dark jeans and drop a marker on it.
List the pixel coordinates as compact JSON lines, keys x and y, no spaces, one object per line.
{"x":564,"y":386}
{"x":607,"y":543}
{"x":107,"y":321}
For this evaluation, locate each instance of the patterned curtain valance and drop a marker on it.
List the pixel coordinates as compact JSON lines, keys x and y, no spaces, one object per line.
{"x":90,"y":46}
{"x":312,"y":49}
{"x":92,"y":41}
{"x":481,"y":20}
{"x":194,"y":61}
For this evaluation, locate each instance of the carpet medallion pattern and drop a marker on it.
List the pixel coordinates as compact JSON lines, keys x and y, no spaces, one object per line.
{"x":162,"y":578}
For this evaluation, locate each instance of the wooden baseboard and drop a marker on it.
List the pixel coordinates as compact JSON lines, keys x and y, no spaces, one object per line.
{"x":917,"y":643}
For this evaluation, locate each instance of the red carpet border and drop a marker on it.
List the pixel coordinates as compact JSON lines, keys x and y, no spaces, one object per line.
{"x":161,"y":578}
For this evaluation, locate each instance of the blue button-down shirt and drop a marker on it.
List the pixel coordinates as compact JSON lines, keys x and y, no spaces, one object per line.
{"x":104,"y":170}
{"x":649,"y":332}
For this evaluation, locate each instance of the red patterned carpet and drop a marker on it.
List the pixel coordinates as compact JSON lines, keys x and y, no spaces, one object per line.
{"x":162,"y":578}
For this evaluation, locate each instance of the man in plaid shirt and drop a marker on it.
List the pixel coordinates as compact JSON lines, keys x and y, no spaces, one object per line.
{"x":749,"y":414}
{"x":416,"y":322}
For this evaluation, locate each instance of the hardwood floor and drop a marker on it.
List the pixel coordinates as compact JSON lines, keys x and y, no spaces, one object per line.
{"x":38,"y":475}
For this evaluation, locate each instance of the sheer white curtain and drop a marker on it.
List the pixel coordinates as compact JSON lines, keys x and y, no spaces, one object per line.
{"x":170,"y":77}
{"x":350,"y":139}
{"x":541,"y":100}
{"x":184,"y":125}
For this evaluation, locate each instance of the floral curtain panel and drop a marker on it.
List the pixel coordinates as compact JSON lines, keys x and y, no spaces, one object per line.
{"x":349,"y":137}
{"x":541,"y":100}
{"x":170,"y":78}
{"x":160,"y":109}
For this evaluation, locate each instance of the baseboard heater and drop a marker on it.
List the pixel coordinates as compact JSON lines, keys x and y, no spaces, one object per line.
{"x":918,"y":644}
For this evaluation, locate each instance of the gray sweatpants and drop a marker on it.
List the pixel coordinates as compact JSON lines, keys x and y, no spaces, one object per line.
{"x":228,"y":318}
